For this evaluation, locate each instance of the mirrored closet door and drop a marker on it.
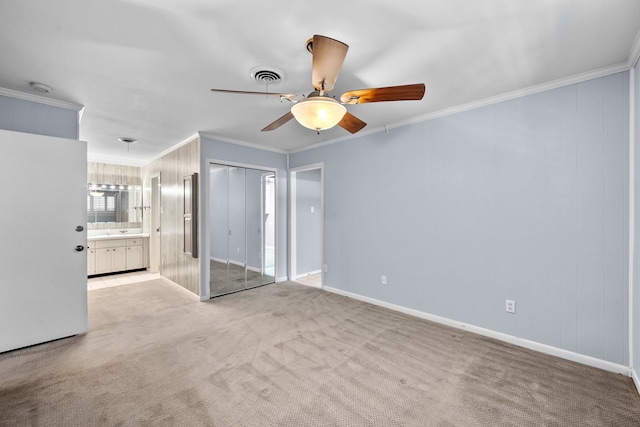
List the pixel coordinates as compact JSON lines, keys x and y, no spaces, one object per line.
{"x":242,"y":224}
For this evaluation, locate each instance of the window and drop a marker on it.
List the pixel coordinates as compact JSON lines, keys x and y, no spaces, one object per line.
{"x":102,"y":208}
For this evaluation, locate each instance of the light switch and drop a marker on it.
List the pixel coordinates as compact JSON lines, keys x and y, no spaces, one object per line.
{"x":312,"y":209}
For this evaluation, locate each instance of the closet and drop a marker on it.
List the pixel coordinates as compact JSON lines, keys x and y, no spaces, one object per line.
{"x":242,"y":224}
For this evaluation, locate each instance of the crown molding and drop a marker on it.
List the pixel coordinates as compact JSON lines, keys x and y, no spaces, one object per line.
{"x":240,"y":142}
{"x":634,"y":54}
{"x":360,"y":134}
{"x":578,"y":78}
{"x":520,"y":93}
{"x":40,"y":99}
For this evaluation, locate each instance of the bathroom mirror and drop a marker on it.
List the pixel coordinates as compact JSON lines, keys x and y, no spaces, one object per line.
{"x":114,"y":203}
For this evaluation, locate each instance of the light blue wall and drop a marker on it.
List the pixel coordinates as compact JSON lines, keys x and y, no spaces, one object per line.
{"x":308,"y":224}
{"x":30,"y":117}
{"x":524,"y":200}
{"x":636,"y":236}
{"x":238,"y":154}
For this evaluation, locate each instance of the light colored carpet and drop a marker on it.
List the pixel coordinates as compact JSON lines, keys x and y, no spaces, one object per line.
{"x":291,"y":355}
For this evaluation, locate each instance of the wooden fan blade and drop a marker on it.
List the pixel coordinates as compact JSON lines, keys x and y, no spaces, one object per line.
{"x":328,"y":56}
{"x":351,"y":123}
{"x":413,"y":92}
{"x":282,"y":120}
{"x":244,"y":92}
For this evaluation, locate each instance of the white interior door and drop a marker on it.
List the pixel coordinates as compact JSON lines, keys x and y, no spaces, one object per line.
{"x":43,"y":286}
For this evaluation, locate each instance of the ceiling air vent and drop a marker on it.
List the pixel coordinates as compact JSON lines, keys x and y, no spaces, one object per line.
{"x":266,"y":75}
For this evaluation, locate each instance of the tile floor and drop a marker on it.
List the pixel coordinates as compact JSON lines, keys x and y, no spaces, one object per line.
{"x":312,"y":280}
{"x":99,"y":282}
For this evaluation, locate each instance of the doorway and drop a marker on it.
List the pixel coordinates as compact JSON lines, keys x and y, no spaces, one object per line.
{"x":156,"y":215}
{"x":307,"y":224}
{"x":241,"y":223}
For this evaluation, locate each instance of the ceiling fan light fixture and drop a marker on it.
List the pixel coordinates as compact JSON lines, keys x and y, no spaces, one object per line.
{"x":318,"y":112}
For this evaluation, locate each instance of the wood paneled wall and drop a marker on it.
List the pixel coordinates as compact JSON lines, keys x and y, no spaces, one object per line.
{"x":175,"y":265}
{"x":108,"y":173}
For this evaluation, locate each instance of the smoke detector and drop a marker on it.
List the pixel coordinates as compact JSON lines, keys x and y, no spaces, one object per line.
{"x":41,"y":87}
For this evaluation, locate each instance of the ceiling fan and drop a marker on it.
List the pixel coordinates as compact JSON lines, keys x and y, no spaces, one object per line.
{"x":318,"y":111}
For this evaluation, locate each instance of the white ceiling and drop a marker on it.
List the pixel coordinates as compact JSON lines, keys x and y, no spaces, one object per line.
{"x":143,"y":68}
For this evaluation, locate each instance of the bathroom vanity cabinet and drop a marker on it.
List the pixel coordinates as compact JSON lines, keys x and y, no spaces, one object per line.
{"x":110,"y":255}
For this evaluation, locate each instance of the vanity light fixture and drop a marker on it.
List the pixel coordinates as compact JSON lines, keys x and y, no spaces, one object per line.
{"x":94,"y":191}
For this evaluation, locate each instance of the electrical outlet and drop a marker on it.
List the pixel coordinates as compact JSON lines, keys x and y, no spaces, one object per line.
{"x":511,"y":306}
{"x":326,"y":268}
{"x":383,"y":280}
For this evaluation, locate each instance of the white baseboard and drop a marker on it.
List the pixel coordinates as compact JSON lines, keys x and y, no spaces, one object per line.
{"x":531,"y":345}
{"x":223,"y":261}
{"x":282,"y":279}
{"x":636,"y":380}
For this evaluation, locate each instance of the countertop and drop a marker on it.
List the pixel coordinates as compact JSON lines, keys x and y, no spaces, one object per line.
{"x":116,"y":236}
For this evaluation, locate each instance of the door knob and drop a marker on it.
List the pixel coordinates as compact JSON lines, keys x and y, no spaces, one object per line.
{"x":79,"y":228}
{"x":79,"y":248}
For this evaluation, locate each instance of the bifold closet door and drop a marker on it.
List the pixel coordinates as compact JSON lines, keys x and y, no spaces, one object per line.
{"x":220,"y":281}
{"x":228,"y":230}
{"x":237,"y":229}
{"x":253,"y":211}
{"x":268,"y":190}
{"x":228,"y":251}
{"x":242,"y":222}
